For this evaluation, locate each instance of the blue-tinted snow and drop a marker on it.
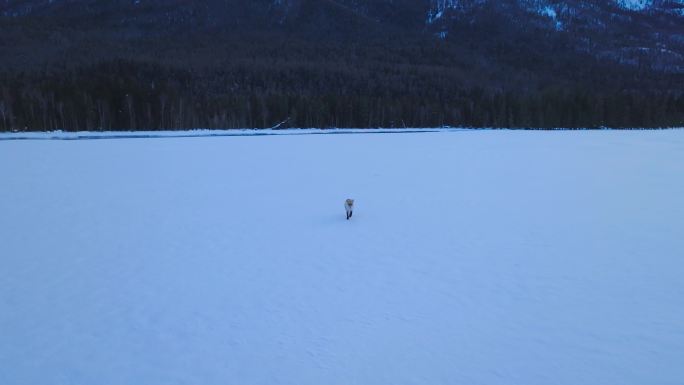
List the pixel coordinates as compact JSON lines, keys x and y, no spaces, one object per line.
{"x":476,"y":257}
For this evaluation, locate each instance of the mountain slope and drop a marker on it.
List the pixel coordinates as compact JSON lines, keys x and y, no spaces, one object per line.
{"x":360,"y":63}
{"x":625,"y":31}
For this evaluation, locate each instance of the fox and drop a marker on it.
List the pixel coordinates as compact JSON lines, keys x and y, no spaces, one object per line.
{"x":349,"y":207}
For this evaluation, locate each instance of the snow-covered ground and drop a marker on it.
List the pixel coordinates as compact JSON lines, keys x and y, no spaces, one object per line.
{"x":483,"y":257}
{"x":80,"y":135}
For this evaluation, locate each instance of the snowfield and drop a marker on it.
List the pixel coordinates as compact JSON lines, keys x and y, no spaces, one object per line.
{"x":473,"y":257}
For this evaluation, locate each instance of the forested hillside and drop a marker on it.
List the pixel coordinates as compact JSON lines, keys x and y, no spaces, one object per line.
{"x":82,"y":65}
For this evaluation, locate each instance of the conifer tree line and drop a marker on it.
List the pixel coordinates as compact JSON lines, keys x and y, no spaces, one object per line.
{"x":236,"y":64}
{"x":124,"y":95}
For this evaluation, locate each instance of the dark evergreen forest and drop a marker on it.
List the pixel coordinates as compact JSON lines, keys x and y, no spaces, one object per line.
{"x":57,"y":73}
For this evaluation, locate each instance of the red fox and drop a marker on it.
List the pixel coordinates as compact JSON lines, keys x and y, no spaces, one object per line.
{"x":349,"y":206}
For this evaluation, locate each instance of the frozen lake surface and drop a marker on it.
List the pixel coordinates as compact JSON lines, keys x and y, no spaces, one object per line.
{"x":473,"y":257}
